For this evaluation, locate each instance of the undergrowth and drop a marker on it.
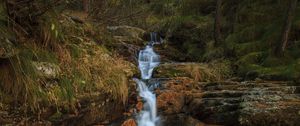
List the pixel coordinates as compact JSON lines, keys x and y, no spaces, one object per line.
{"x":85,"y":67}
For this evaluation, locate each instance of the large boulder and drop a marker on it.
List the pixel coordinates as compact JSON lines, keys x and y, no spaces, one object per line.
{"x":172,"y":96}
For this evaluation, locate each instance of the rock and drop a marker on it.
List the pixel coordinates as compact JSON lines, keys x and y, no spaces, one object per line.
{"x":170,"y":102}
{"x":247,"y":103}
{"x":181,"y":120}
{"x":47,"y":70}
{"x":251,"y":75}
{"x":238,"y":79}
{"x":277,"y":109}
{"x":126,"y":33}
{"x":7,"y":49}
{"x":96,"y":109}
{"x":198,"y":71}
{"x":139,"y":106}
{"x":129,"y":122}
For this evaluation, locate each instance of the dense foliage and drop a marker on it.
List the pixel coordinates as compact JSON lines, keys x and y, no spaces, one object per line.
{"x":250,"y":31}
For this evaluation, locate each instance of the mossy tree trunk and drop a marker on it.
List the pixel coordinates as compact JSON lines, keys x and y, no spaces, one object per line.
{"x":217,"y":25}
{"x":281,"y":46}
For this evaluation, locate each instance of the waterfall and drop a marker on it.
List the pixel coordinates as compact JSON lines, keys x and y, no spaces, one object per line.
{"x":147,"y":60}
{"x":147,"y":117}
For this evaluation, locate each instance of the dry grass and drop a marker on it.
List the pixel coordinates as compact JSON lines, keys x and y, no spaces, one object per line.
{"x":19,"y":82}
{"x":214,"y":71}
{"x":108,"y":74}
{"x":86,"y":68}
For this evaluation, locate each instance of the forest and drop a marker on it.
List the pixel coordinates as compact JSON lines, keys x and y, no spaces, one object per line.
{"x":149,"y":62}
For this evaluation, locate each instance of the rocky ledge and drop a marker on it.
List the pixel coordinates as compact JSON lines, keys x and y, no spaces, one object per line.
{"x":183,"y":101}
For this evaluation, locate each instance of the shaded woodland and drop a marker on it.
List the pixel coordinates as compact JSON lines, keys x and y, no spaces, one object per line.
{"x":71,"y":62}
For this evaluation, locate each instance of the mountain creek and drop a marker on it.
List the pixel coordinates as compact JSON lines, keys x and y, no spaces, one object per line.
{"x":149,"y":63}
{"x":182,"y":98}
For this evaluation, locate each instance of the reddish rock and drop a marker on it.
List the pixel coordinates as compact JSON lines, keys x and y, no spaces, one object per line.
{"x":139,"y":106}
{"x":170,"y":102}
{"x":129,"y":122}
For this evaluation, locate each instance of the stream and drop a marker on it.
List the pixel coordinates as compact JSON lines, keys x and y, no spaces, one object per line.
{"x":147,"y":61}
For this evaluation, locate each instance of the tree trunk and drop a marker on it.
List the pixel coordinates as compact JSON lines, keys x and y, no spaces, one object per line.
{"x":86,"y":4}
{"x":217,"y":27}
{"x":280,"y":48}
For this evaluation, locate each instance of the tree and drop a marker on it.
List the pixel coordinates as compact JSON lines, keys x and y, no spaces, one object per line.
{"x":281,"y":46}
{"x":86,"y":4}
{"x":217,"y":26}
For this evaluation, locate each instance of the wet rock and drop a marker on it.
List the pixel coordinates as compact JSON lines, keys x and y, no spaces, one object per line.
{"x":172,"y":96}
{"x":129,"y":122}
{"x":139,"y":106}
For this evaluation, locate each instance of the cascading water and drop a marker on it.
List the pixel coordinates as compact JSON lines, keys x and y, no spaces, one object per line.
{"x":147,"y":117}
{"x":148,"y":60}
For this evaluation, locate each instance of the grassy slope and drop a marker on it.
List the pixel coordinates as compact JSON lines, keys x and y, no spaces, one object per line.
{"x":86,"y":68}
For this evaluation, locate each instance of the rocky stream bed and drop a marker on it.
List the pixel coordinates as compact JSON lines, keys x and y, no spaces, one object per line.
{"x":183,"y":102}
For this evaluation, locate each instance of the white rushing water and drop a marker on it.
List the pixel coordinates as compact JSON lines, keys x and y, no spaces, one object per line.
{"x":147,"y":117}
{"x":148,"y":60}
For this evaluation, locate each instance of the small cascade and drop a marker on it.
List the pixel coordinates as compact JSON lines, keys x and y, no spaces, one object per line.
{"x":147,"y":117}
{"x":148,"y":60}
{"x":155,"y":39}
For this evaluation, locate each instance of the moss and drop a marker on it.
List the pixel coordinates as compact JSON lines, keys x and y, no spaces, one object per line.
{"x":294,"y":51}
{"x":169,"y":72}
{"x":287,"y":72}
{"x":272,"y":61}
{"x":244,"y":69}
{"x":252,"y":58}
{"x":246,"y":48}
